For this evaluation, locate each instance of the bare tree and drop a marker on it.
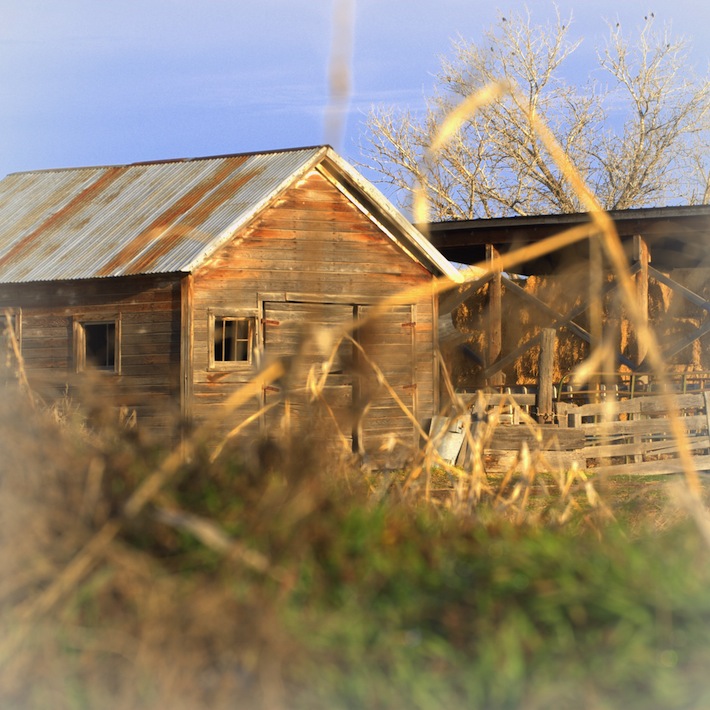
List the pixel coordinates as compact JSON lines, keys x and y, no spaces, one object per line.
{"x":637,"y":129}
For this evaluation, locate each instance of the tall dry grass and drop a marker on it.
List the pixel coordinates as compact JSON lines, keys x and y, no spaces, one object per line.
{"x":294,"y":581}
{"x":194,"y":577}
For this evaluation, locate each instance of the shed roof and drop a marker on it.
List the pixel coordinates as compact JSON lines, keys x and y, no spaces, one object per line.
{"x":677,"y":235}
{"x":168,"y":216}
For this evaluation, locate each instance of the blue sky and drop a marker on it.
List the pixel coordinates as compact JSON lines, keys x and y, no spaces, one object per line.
{"x":87,"y":82}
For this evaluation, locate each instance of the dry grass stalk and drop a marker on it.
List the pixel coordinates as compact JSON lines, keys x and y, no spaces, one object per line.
{"x":19,"y":369}
{"x":71,"y":576}
{"x":468,"y":489}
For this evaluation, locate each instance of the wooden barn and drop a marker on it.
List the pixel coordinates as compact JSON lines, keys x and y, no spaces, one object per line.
{"x":165,"y":286}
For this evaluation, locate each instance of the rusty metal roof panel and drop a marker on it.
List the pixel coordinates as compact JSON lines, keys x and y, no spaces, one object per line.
{"x":134,"y":219}
{"x":27,"y":202}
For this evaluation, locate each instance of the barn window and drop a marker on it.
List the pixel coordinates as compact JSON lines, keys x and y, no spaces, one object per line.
{"x":97,"y":345}
{"x":232,"y":340}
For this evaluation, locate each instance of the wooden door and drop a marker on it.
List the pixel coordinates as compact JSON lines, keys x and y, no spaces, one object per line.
{"x":316,"y":394}
{"x":387,"y":392}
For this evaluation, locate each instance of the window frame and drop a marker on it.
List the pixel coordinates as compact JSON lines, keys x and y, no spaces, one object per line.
{"x":226,"y":314}
{"x":81,"y":364}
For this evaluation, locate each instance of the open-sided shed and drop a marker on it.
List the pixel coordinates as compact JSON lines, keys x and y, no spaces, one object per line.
{"x":668,"y":260}
{"x":169,"y":284}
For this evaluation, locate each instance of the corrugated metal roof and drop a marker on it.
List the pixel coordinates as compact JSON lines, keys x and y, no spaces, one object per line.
{"x":134,"y":219}
{"x":162,"y":217}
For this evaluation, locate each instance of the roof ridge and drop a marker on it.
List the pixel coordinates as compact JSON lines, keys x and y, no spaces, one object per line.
{"x":231,"y":155}
{"x":168,"y":161}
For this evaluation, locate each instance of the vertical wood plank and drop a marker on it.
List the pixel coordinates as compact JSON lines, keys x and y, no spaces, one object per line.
{"x":436,"y":362}
{"x":186,"y":346}
{"x":642,"y":255}
{"x":596,"y":285}
{"x":544,"y":399}
{"x":495,"y":311}
{"x":413,"y":358}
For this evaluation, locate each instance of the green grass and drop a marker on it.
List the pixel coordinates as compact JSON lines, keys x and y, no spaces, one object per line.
{"x":332,"y":596}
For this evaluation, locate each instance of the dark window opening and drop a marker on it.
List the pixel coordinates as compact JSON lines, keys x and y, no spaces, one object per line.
{"x":100,"y":345}
{"x":233,"y":338}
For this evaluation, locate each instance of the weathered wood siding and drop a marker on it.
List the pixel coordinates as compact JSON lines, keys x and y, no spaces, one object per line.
{"x":314,"y":246}
{"x":148,"y":310}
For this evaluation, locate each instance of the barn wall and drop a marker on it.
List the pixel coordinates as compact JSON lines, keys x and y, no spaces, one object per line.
{"x":149,"y":313}
{"x":313,"y":244}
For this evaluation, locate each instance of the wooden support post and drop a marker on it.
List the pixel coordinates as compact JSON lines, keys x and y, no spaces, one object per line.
{"x":596,"y":293}
{"x":596,"y":306}
{"x":544,"y":399}
{"x":495,"y":314}
{"x":642,"y":255}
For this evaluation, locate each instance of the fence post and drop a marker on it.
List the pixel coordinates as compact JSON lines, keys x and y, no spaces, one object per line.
{"x":544,"y":399}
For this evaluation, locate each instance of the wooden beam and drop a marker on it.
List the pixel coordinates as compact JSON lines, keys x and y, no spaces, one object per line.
{"x":470,"y":353}
{"x":512,"y":356}
{"x":545,"y":412}
{"x":448,"y":334}
{"x":682,"y":290}
{"x":456,"y":295}
{"x":680,"y":344}
{"x":558,"y":321}
{"x":495,"y":314}
{"x":596,"y":294}
{"x":642,"y":257}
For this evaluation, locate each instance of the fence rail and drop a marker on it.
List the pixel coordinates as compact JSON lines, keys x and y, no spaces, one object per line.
{"x":628,"y":436}
{"x":630,"y":385}
{"x":637,"y":435}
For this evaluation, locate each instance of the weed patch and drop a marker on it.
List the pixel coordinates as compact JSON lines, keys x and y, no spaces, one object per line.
{"x":310,"y":585}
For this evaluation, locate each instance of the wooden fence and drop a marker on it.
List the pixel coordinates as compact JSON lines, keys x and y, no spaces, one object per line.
{"x":632,"y":436}
{"x":636,"y":436}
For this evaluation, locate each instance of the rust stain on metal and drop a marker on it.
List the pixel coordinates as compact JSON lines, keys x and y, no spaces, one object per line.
{"x":190,"y":225}
{"x":63,"y":214}
{"x":216,"y":188}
